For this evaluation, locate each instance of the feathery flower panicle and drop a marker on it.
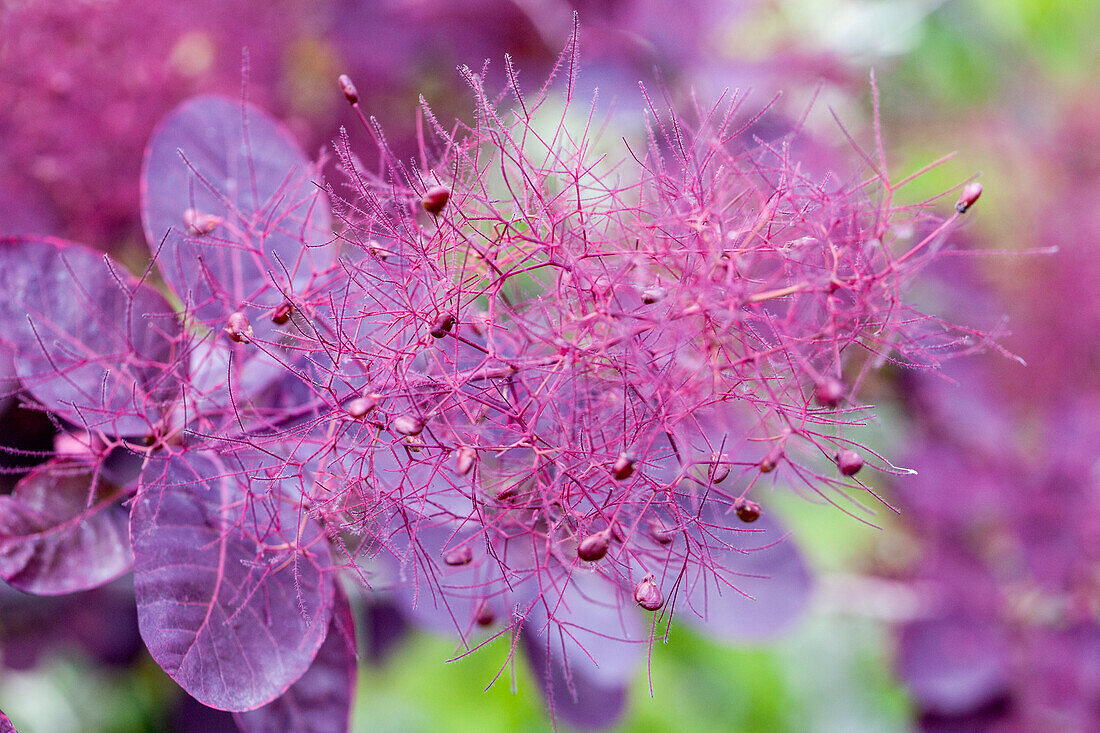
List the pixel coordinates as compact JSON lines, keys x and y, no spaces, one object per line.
{"x":633,"y":346}
{"x":528,"y":388}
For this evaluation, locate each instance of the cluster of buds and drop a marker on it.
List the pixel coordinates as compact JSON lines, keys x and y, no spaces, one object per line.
{"x":606,"y":383}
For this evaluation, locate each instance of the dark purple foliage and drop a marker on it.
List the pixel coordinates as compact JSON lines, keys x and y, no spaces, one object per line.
{"x":85,"y":82}
{"x":191,"y":716}
{"x":764,"y":595}
{"x":572,"y":695}
{"x":1006,"y":507}
{"x":63,"y":530}
{"x":231,"y":165}
{"x":384,"y":627}
{"x":954,"y":665}
{"x":91,"y":343}
{"x":229,"y":574}
{"x":319,"y":702}
{"x":99,"y":625}
{"x":5,"y":724}
{"x":27,"y":435}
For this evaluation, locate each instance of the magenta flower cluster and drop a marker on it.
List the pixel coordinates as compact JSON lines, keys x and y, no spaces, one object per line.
{"x":528,"y":389}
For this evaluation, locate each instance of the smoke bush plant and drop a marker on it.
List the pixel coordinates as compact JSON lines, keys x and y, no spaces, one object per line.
{"x":528,"y":392}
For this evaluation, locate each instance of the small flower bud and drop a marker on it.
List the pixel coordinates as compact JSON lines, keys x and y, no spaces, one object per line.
{"x":623,"y":468}
{"x":414,"y":443}
{"x":483,"y":614}
{"x":442,"y":325}
{"x":970,"y":194}
{"x":238,"y":328}
{"x":653,"y":295}
{"x":719,"y":472}
{"x":464,"y":460}
{"x":459,"y":556}
{"x":360,"y":407}
{"x":660,"y":532}
{"x":199,"y":224}
{"x":593,"y":547}
{"x":829,"y":392}
{"x":747,"y":511}
{"x":849,"y":462}
{"x":648,"y":595}
{"x":771,"y":461}
{"x":376,"y":250}
{"x":281,"y":314}
{"x":435,"y":199}
{"x":407,"y":425}
{"x":349,"y":90}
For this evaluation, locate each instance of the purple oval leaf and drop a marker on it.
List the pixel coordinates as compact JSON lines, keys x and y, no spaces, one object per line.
{"x":320,"y":702}
{"x":99,"y":625}
{"x":232,"y":594}
{"x":747,"y":585}
{"x":5,"y":724}
{"x":91,"y":344}
{"x":593,"y":626}
{"x":576,"y":691}
{"x":955,"y":663}
{"x":744,"y":583}
{"x":61,"y":531}
{"x":235,"y":203}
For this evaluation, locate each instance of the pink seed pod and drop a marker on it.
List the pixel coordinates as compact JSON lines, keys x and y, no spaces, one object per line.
{"x":435,"y":199}
{"x":849,"y":462}
{"x":360,"y":407}
{"x":375,"y":248}
{"x":593,"y":547}
{"x":829,"y":392}
{"x":653,"y":294}
{"x":238,"y":328}
{"x":719,"y":472}
{"x":660,"y":532}
{"x":648,"y":595}
{"x":771,"y":461}
{"x":407,"y":425}
{"x":349,"y":90}
{"x":281,"y":313}
{"x":459,"y":556}
{"x":747,"y":511}
{"x":464,"y":460}
{"x":199,"y":224}
{"x":483,"y":614}
{"x":442,"y":325}
{"x":623,"y":468}
{"x":970,"y":194}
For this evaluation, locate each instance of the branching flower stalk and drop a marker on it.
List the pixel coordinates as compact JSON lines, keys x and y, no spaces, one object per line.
{"x":528,"y":389}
